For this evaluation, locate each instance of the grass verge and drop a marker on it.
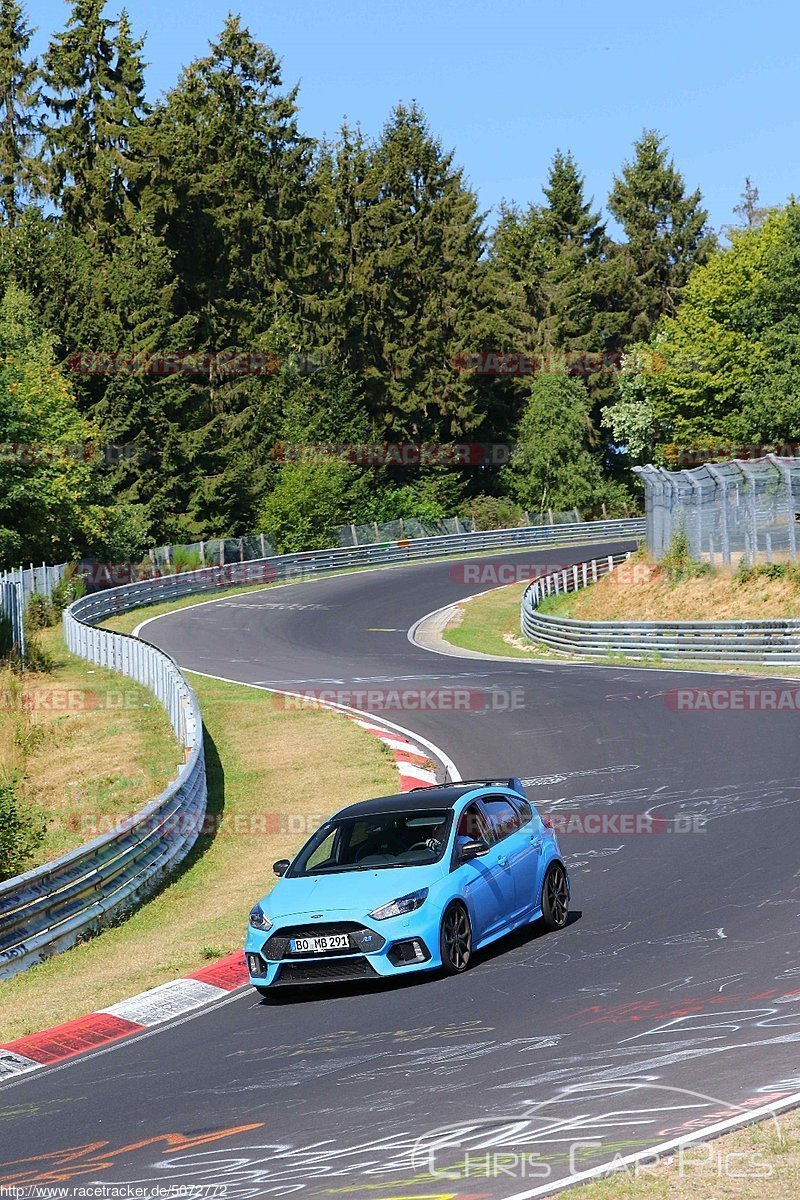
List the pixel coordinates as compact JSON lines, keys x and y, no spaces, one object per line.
{"x":86,"y":745}
{"x":760,"y":1160}
{"x":489,"y":623}
{"x":267,"y":790}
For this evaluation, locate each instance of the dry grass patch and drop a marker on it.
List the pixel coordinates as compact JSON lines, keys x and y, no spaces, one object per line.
{"x":641,"y":591}
{"x":273,"y":775}
{"x":87,"y":745}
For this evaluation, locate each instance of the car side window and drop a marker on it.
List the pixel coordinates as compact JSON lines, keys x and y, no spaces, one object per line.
{"x":503,"y":817}
{"x":471,"y":825}
{"x":523,"y":808}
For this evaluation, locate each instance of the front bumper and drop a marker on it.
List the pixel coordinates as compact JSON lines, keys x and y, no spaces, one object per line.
{"x":378,"y":949}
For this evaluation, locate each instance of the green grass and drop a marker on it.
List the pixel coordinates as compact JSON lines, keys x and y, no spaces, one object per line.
{"x":489,"y":624}
{"x":87,"y":745}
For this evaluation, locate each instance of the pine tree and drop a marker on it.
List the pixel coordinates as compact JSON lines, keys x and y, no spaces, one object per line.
{"x":128,"y":134}
{"x":19,"y":124}
{"x":96,"y":149}
{"x":231,"y":190}
{"x":666,"y":232}
{"x":556,"y":464}
{"x":751,"y":214}
{"x":407,"y":290}
{"x":79,"y":77}
{"x":575,"y":241}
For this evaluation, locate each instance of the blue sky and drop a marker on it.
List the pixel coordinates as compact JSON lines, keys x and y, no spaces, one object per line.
{"x":507,"y":82}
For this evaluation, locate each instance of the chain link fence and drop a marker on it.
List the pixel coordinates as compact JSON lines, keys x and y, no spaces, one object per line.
{"x":218,"y":552}
{"x":731,"y":512}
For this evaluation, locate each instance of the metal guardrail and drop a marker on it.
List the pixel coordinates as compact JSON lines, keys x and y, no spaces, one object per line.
{"x":772,"y":641}
{"x":51,"y":907}
{"x":308,"y":563}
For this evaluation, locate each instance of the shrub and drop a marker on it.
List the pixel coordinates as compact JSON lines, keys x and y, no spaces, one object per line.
{"x":493,"y":512}
{"x":22,"y":830}
{"x":72,"y":587}
{"x":678,"y":563}
{"x":40,"y":613}
{"x":786,"y":571}
{"x":185,"y":560}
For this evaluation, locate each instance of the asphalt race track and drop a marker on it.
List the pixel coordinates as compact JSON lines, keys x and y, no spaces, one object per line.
{"x":671,"y":1000}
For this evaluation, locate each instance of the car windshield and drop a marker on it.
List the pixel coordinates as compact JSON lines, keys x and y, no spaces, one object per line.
{"x":374,"y":841}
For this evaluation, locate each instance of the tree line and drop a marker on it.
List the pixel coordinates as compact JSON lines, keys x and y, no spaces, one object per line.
{"x":360,"y":276}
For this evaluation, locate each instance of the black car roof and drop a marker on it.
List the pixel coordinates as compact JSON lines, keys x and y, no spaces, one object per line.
{"x":420,"y":799}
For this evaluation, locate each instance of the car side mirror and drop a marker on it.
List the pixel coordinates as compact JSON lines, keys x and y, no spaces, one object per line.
{"x":476,"y":848}
{"x":281,"y":866}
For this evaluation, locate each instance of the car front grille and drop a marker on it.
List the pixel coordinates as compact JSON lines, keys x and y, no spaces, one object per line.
{"x":356,"y":967}
{"x":365,"y":941}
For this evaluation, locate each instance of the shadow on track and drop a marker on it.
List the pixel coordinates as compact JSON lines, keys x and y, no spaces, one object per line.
{"x":318,"y":993}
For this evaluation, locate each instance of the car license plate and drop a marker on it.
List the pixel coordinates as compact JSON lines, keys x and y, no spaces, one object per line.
{"x":318,"y":945}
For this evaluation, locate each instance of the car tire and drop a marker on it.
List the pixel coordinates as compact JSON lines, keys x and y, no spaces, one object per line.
{"x":555,"y":897}
{"x":455,"y":939}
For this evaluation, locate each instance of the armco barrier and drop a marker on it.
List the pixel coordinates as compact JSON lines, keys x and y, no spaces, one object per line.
{"x":773,"y":641}
{"x":299,"y":566}
{"x":52,"y":907}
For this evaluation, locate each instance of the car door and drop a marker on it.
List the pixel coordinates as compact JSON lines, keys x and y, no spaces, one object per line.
{"x":484,"y":880}
{"x":504,"y":823}
{"x":517,"y":851}
{"x":530,"y":860}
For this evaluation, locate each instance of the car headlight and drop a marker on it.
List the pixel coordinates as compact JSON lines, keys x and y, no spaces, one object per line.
{"x":259,"y":919}
{"x":405,"y":904}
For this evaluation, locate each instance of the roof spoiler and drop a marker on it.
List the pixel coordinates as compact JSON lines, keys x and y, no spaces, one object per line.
{"x":513,"y":783}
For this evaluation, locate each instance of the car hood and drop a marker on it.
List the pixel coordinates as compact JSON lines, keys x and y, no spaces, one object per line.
{"x":348,"y":891}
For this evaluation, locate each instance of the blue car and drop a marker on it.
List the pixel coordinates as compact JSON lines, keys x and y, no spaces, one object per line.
{"x":405,"y":883}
